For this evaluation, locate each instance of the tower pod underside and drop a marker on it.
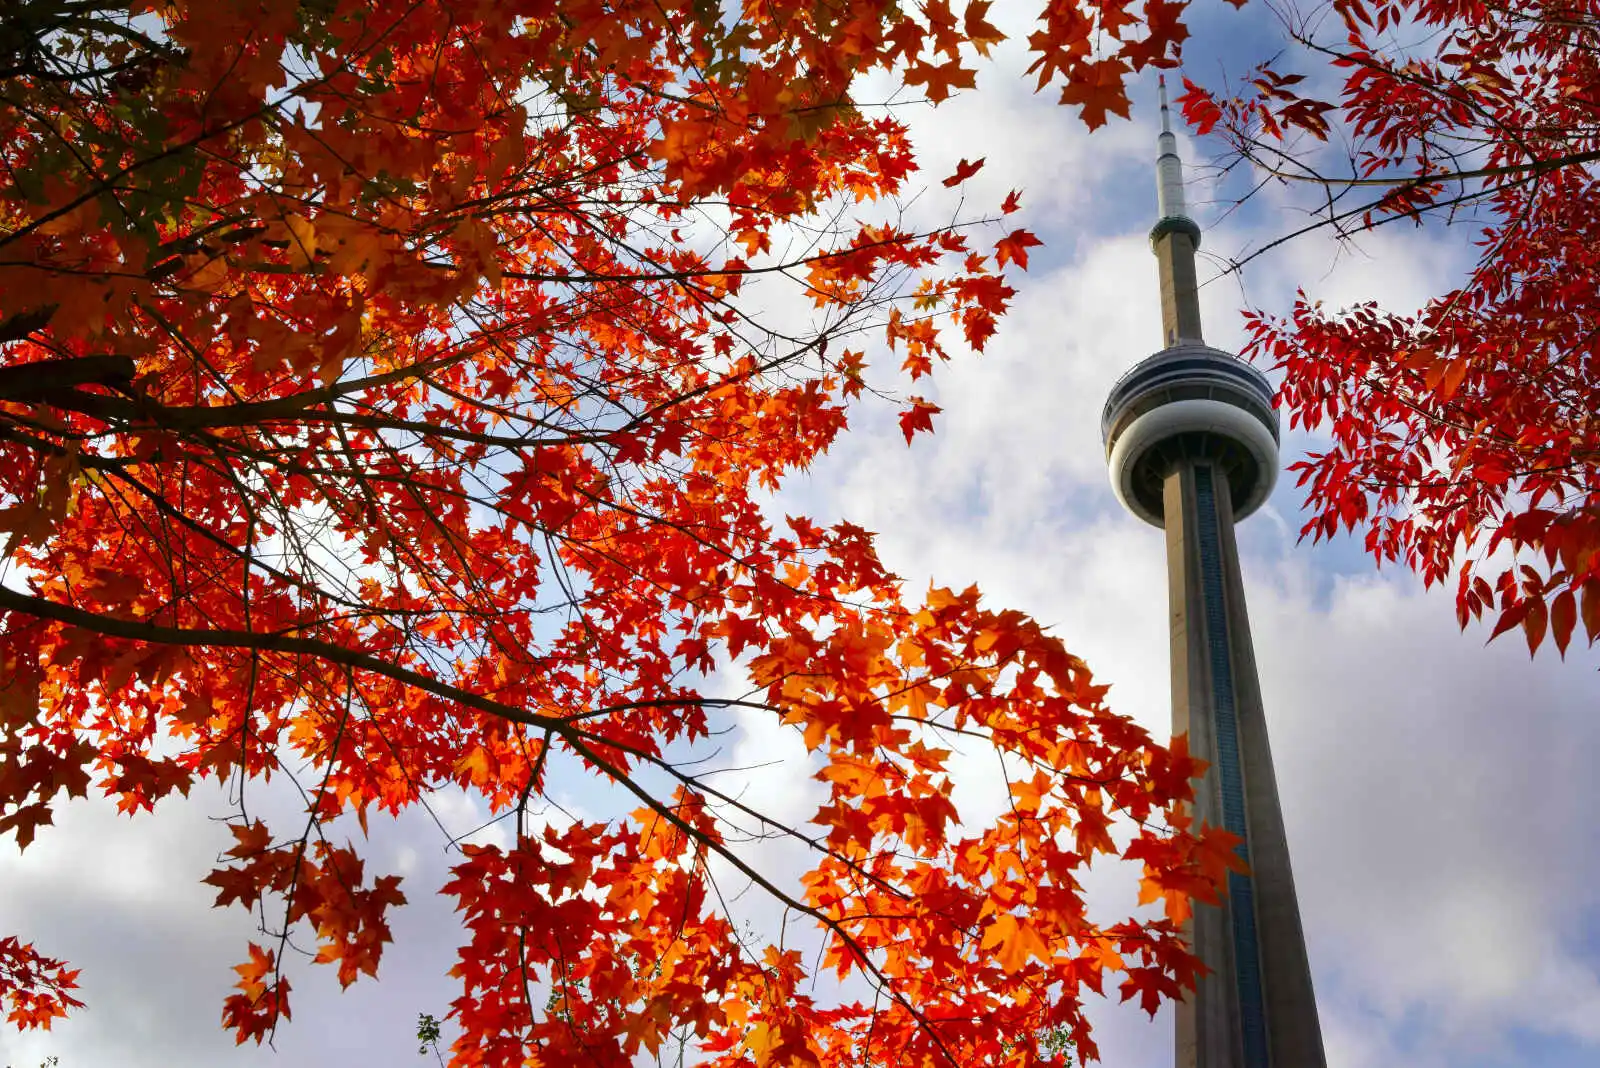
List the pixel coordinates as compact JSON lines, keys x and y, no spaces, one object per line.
{"x":1190,"y":401}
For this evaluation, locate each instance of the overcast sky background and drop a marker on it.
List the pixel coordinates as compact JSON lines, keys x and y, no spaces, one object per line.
{"x":1439,"y":794}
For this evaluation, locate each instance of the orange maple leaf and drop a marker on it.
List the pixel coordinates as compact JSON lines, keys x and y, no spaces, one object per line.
{"x":978,"y":29}
{"x":1014,"y":247}
{"x":1014,"y":942}
{"x":1097,"y":88}
{"x":941,"y":79}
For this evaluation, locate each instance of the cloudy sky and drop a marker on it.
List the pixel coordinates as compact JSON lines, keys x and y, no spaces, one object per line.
{"x":1439,"y":793}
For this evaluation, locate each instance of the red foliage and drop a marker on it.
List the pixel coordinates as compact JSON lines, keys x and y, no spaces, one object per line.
{"x":33,"y":988}
{"x":1465,"y":438}
{"x":378,"y":405}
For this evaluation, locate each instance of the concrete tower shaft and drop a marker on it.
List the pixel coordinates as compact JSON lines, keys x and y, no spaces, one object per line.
{"x":1191,"y":442}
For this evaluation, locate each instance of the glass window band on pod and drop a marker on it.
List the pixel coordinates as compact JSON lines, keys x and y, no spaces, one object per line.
{"x":1190,"y":401}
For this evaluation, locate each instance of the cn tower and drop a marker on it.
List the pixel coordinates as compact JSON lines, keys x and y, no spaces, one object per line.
{"x":1191,"y":441}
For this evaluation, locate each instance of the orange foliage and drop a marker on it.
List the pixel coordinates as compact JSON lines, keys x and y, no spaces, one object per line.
{"x":378,"y":405}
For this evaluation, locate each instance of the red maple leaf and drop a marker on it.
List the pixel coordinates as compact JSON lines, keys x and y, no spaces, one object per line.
{"x":964,"y":170}
{"x":918,"y":417}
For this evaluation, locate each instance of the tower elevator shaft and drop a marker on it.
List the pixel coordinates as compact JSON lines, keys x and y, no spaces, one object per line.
{"x":1255,"y":1008}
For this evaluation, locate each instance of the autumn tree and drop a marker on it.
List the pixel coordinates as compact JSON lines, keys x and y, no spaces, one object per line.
{"x":1466,"y":435}
{"x":388,"y":396}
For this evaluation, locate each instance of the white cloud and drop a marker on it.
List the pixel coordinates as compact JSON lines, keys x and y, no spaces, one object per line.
{"x":1436,"y":809}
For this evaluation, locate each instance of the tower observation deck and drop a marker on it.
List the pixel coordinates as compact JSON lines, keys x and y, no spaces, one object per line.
{"x":1191,"y":443}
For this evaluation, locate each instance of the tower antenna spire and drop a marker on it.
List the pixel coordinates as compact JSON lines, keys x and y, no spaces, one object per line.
{"x":1169,"y":172}
{"x":1174,"y":238}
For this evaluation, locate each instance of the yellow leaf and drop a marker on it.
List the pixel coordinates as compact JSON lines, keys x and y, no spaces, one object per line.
{"x":302,"y":240}
{"x":759,"y":1041}
{"x":475,"y":765}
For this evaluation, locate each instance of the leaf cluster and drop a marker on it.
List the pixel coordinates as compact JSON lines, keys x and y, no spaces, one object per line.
{"x":390,"y":399}
{"x":1465,"y":442}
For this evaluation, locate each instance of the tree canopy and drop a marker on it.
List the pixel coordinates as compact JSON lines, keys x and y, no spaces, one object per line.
{"x":389,"y":394}
{"x":1465,"y":437}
